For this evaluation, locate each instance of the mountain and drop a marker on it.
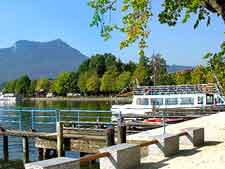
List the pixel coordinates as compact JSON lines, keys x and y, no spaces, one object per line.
{"x":175,"y":68}
{"x":38,"y":59}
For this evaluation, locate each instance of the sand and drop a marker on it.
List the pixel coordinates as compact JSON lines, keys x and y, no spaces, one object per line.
{"x":209,"y":156}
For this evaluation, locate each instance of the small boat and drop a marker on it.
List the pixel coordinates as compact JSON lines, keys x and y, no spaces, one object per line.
{"x":167,"y":120}
{"x":7,"y":99}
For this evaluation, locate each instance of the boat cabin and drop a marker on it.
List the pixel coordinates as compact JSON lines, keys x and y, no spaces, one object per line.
{"x":148,"y":98}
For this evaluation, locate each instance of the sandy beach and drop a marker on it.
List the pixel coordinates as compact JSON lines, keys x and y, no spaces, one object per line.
{"x":209,"y":156}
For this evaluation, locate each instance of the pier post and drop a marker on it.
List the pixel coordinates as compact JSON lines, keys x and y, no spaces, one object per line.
{"x":46,"y":154}
{"x":25,"y":149}
{"x":121,"y":136}
{"x":60,"y":144}
{"x":5,"y":148}
{"x":110,"y":136}
{"x":40,"y":154}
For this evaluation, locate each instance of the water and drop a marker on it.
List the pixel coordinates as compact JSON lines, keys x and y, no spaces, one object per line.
{"x":43,"y":121}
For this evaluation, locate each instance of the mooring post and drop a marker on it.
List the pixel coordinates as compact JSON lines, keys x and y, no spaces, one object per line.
{"x":60,"y":143}
{"x":5,"y":148}
{"x":25,"y":149}
{"x":121,"y":136}
{"x":46,"y":154}
{"x":40,"y":154}
{"x":110,"y":136}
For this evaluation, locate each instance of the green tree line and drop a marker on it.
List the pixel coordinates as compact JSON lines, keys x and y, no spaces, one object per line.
{"x":104,"y":74}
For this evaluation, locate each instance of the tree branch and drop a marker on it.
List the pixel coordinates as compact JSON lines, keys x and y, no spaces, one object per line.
{"x":216,"y":6}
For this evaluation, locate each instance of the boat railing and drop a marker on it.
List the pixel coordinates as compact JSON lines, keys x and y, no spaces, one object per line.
{"x":175,"y":89}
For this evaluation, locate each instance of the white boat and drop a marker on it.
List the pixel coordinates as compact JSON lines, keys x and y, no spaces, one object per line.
{"x":147,"y":99}
{"x":7,"y":99}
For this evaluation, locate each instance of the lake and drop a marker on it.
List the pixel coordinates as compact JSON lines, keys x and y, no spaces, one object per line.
{"x":43,"y":121}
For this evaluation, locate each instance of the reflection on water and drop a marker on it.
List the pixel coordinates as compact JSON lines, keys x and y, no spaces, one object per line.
{"x":16,"y":164}
{"x":66,"y":105}
{"x":44,"y":121}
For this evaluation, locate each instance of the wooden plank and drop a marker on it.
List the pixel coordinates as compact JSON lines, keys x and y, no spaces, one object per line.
{"x":18,"y":133}
{"x":88,"y":146}
{"x":90,"y":131}
{"x":141,"y":124}
{"x":80,"y":145}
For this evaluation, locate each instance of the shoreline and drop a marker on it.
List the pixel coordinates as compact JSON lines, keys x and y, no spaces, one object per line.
{"x":83,"y":98}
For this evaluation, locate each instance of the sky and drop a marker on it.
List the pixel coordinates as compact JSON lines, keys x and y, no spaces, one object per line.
{"x":45,"y":20}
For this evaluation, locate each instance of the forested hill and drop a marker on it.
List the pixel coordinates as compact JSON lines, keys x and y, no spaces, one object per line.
{"x":38,"y":59}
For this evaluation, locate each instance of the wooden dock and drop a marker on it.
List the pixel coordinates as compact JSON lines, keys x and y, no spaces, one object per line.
{"x":69,"y":138}
{"x":86,"y":137}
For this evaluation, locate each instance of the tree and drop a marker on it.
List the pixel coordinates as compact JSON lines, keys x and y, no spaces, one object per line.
{"x":32,"y":88}
{"x":123,"y":81}
{"x":168,"y":79}
{"x":94,"y":72}
{"x":23,"y":85}
{"x":199,"y":75}
{"x":82,"y":82}
{"x":108,"y":80}
{"x":216,"y":65}
{"x":136,"y":14}
{"x":10,"y":87}
{"x":42,"y":85}
{"x":62,"y":84}
{"x":84,"y":66}
{"x":142,"y":73}
{"x":93,"y":84}
{"x":131,"y":66}
{"x":97,"y":63}
{"x":183,"y":77}
{"x":73,"y":86}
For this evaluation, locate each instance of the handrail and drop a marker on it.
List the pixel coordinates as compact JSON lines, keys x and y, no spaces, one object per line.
{"x":94,"y":157}
{"x":183,"y":133}
{"x":148,"y":143}
{"x":107,"y":154}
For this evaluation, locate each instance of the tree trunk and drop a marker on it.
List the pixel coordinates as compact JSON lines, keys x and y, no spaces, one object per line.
{"x":216,"y":6}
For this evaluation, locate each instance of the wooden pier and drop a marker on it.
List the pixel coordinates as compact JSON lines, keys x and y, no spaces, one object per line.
{"x":67,"y":138}
{"x":86,"y":137}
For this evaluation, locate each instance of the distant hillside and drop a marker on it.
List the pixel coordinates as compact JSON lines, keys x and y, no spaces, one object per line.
{"x":38,"y":59}
{"x":175,"y":68}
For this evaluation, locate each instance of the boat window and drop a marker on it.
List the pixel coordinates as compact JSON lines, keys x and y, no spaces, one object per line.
{"x":187,"y":101}
{"x":171,"y":101}
{"x":157,"y":101}
{"x":142,"y":101}
{"x":209,"y":99}
{"x":200,"y":99}
{"x":219,"y":100}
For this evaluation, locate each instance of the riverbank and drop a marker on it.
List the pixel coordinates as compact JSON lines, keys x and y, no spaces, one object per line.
{"x":211,"y":155}
{"x":88,"y":98}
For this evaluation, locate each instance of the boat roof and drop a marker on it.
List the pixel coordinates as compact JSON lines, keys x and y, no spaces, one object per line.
{"x":176,"y":89}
